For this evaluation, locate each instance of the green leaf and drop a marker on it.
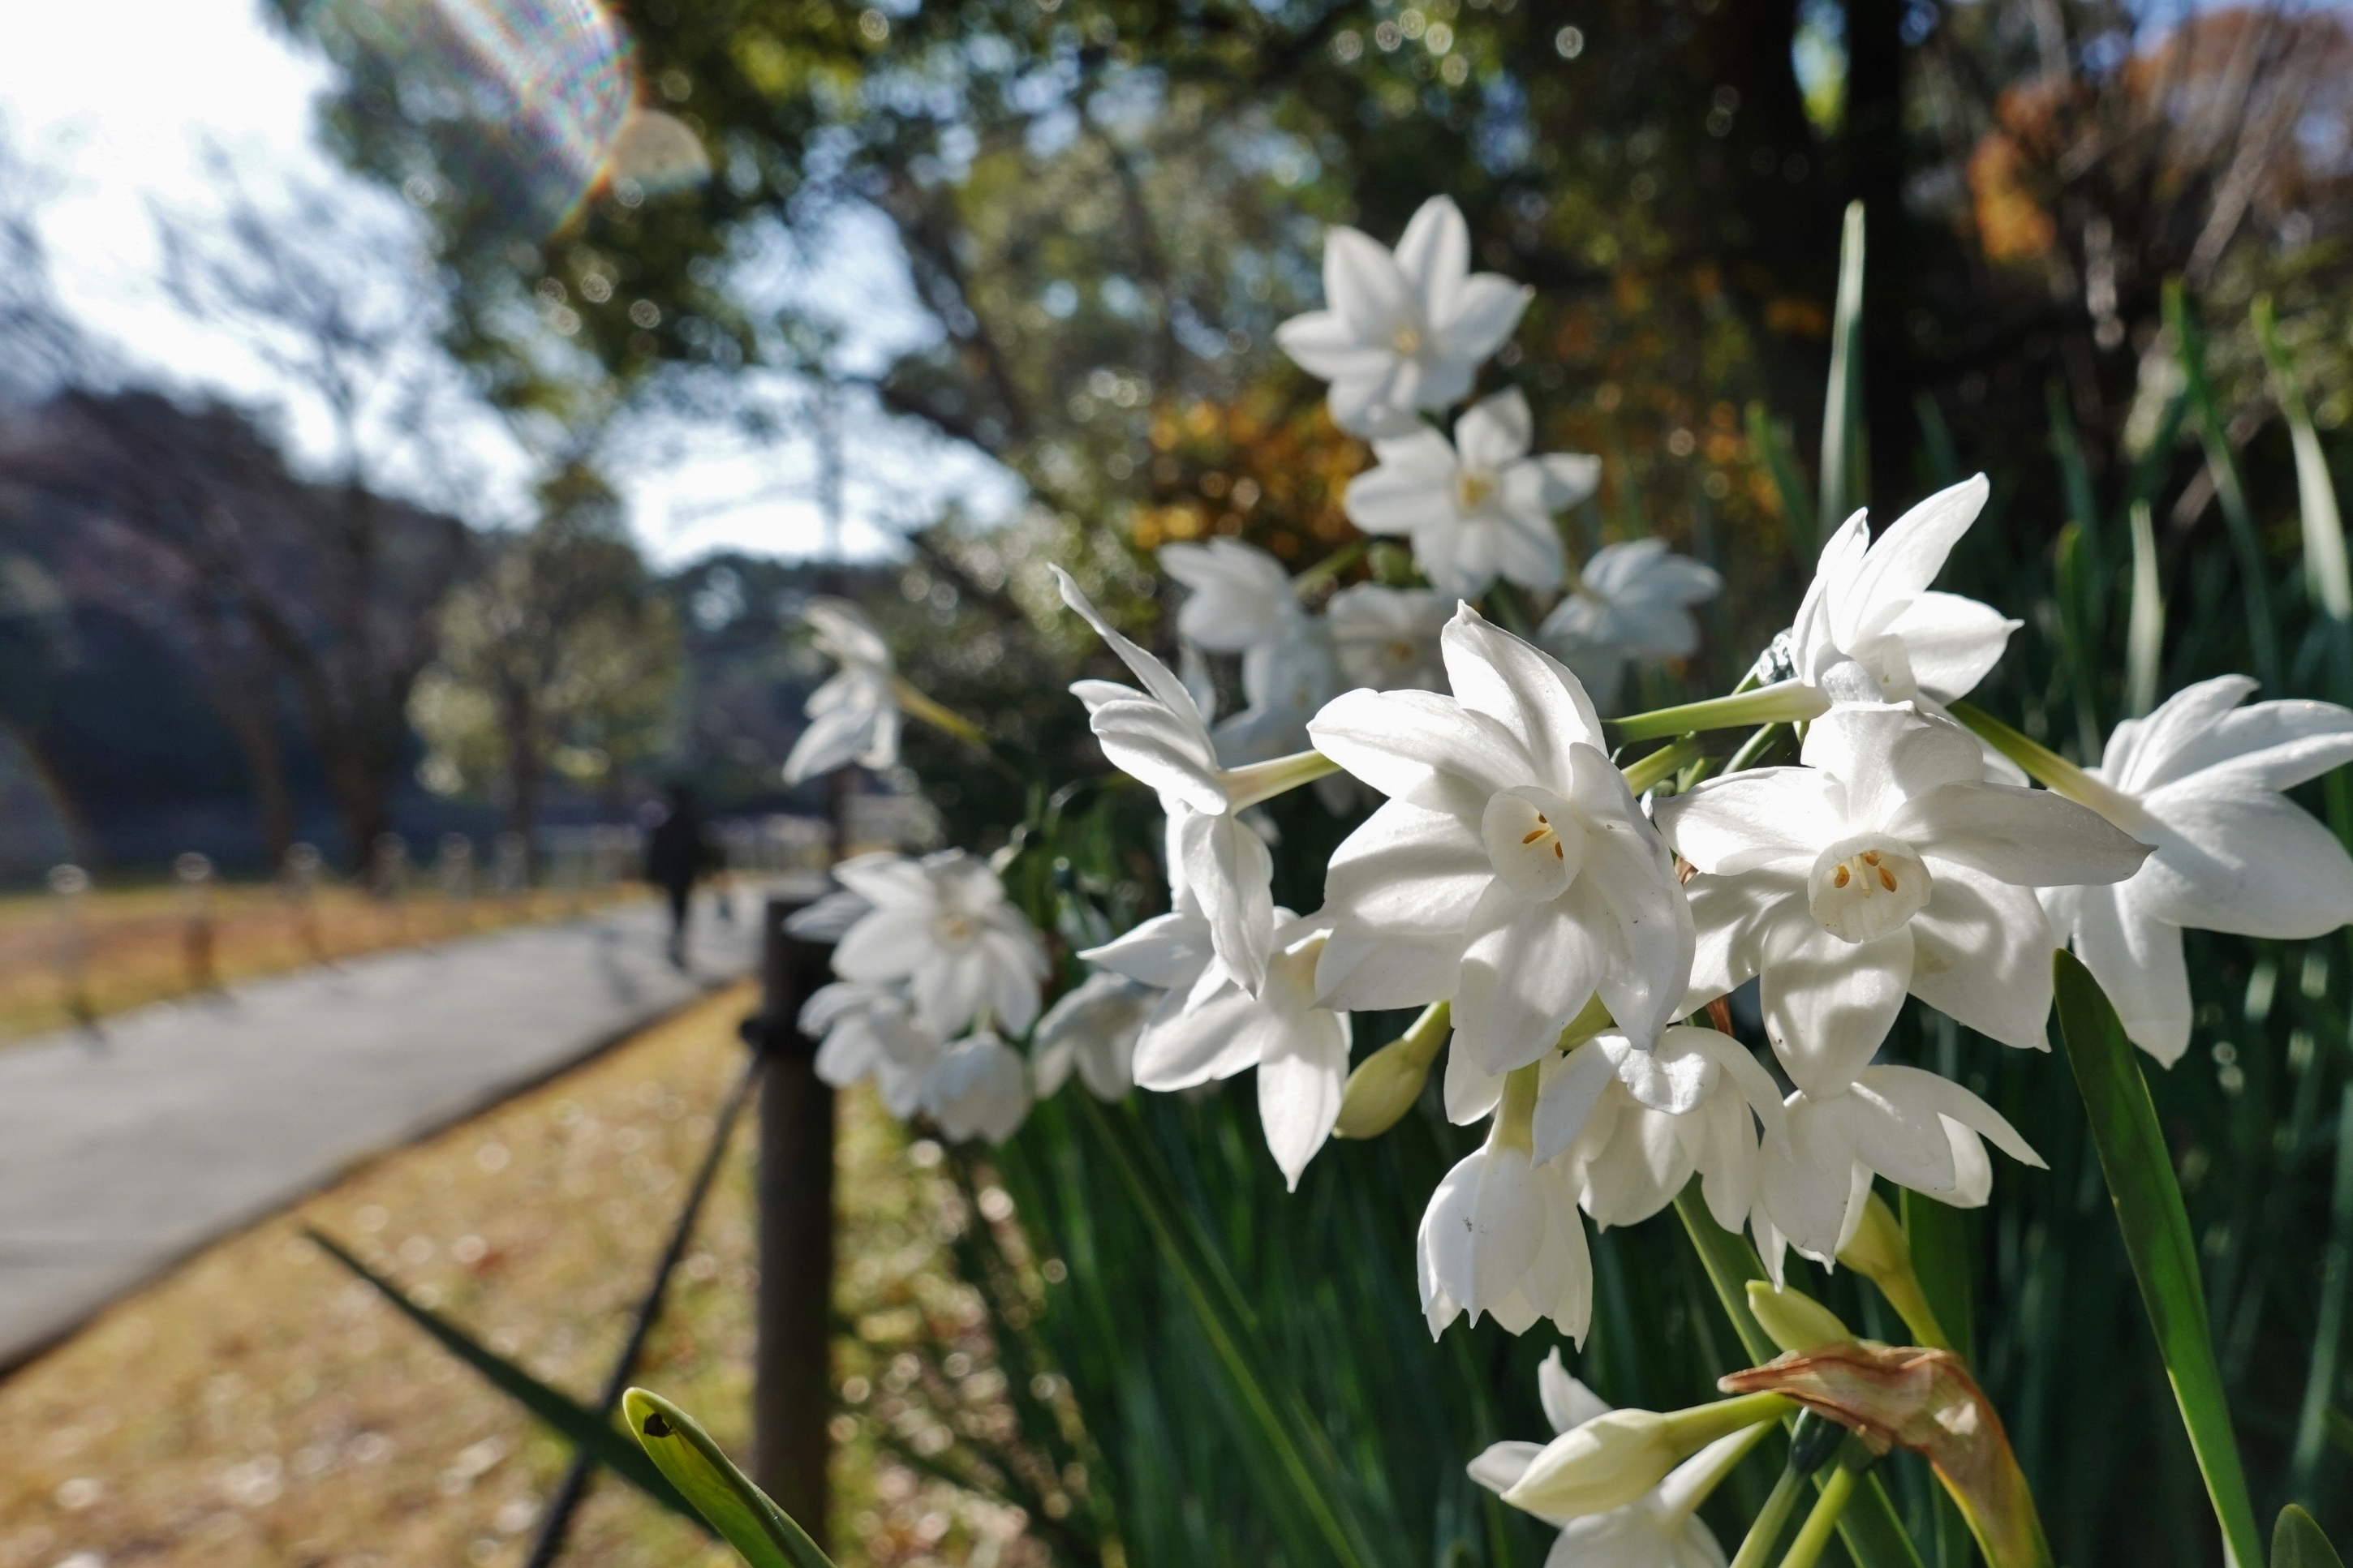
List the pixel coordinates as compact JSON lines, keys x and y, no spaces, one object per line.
{"x":2230,"y":489}
{"x":2139,"y":1170}
{"x":741,"y":1512}
{"x":1873,"y":1532}
{"x":1770,"y":441}
{"x":589,"y":1432}
{"x":2340,"y":1427}
{"x":1310,"y":1472}
{"x":1938,"y":1236}
{"x":2297,"y":1543}
{"x":1844,"y":462}
{"x":2326,"y":575}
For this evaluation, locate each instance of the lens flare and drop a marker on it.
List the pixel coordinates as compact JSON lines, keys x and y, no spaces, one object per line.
{"x":529,"y":105}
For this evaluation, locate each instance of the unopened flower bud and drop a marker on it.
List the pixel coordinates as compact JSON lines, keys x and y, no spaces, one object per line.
{"x":1615,"y":1458}
{"x":1880,"y":1253}
{"x":1793,"y":1320}
{"x":1380,"y":1090}
{"x":1877,"y":1246}
{"x":1385,"y":1085}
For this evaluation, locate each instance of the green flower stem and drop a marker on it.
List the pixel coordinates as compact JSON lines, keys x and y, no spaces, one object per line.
{"x":1263,"y":781}
{"x":1515,"y":1118}
{"x":1328,"y":569}
{"x":1783,"y":700}
{"x":1765,"y":1532}
{"x":1815,"y":1533}
{"x":916,"y":705}
{"x":2050,"y":769}
{"x":1646,"y":773}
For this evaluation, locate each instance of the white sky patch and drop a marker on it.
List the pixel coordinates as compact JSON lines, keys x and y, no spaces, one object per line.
{"x":117,"y":102}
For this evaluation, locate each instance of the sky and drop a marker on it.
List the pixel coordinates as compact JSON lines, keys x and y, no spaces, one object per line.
{"x":117,"y":102}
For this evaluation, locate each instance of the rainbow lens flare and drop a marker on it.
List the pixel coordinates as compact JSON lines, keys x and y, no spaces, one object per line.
{"x":530,"y":106}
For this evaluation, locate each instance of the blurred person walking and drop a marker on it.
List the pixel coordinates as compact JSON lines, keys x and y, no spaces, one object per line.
{"x":679,"y":851}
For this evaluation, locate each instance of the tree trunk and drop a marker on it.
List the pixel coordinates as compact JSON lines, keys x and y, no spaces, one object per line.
{"x":522,"y":772}
{"x":1875,"y":167}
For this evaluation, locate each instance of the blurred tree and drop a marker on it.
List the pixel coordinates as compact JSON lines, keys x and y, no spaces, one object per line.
{"x":189,"y":523}
{"x":561,"y":655}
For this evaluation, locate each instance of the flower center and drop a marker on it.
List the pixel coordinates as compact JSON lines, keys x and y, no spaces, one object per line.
{"x":1401,"y":652}
{"x":1406,"y":341}
{"x":1472,"y":488}
{"x":955,"y":930}
{"x":1863,"y":887}
{"x":1534,"y":841}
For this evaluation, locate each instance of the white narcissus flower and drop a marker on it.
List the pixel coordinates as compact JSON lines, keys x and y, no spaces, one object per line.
{"x":1093,"y":1028}
{"x":1632,"y":601}
{"x":978,"y":1089}
{"x":1510,"y":870}
{"x":1386,"y":639}
{"x":1658,"y":1530}
{"x":2200,"y":779}
{"x":1403,"y":331}
{"x":1887,"y":864}
{"x":1477,"y":507}
{"x":1241,"y":597}
{"x":1631,"y":1127}
{"x":1207,"y":1027}
{"x":1160,"y":736}
{"x":1869,"y":602}
{"x":870,"y":1032}
{"x":854,"y":716}
{"x":1914,"y":1128}
{"x":941,"y":925}
{"x":1501,"y":1236}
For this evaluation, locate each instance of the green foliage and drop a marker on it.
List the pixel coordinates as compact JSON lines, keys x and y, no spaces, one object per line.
{"x":740,"y":1513}
{"x":2155,"y":1226}
{"x":2297,"y":1543}
{"x":560,"y":655}
{"x":591,"y":1433}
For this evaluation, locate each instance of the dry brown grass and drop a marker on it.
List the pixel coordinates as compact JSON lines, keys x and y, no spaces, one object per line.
{"x":263,"y":1409}
{"x":136,"y":946}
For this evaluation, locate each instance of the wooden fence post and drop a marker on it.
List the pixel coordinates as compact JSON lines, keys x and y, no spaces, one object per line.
{"x":792,"y":1395}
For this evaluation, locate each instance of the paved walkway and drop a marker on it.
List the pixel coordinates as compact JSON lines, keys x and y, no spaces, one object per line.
{"x":120,"y":1155}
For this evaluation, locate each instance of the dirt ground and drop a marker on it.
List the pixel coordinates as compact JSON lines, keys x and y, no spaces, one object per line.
{"x":263,"y":1409}
{"x":65,"y":960}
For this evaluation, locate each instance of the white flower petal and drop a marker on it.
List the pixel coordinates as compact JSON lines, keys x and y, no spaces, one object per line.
{"x":1230,"y":871}
{"x":1566,"y":1102}
{"x":1904,"y":560}
{"x":1323,"y":344}
{"x":2138,"y":960}
{"x":2028,"y":837}
{"x":1981,"y":955}
{"x":1829,"y":1003}
{"x":1434,"y":252}
{"x":1500,"y":1464}
{"x":1916,"y":1085}
{"x":1480,"y":315}
{"x":1527,"y":969}
{"x":1882,"y":754}
{"x":2251,"y":863}
{"x":1300,"y":1077}
{"x":1951,"y":643}
{"x":1363,"y":284}
{"x":1159,"y":681}
{"x":1495,"y":432}
{"x":1215,"y":1038}
{"x":1421,"y":747}
{"x":1519,"y":686}
{"x":1758,"y":819}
